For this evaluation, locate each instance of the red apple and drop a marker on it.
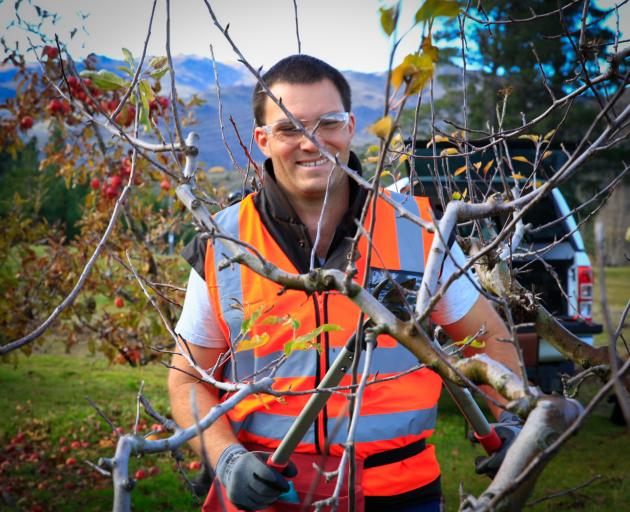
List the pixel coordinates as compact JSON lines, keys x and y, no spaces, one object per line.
{"x":50,"y":51}
{"x":195,"y":465}
{"x":73,"y":82}
{"x":165,"y":185}
{"x":140,"y":474}
{"x":71,"y":461}
{"x":115,"y":181}
{"x":119,"y":302}
{"x":26,"y":123}
{"x":75,"y":445}
{"x":95,"y":183}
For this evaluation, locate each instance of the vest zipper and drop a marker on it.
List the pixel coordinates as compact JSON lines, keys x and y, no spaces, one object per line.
{"x":325,"y":353}
{"x":320,"y":371}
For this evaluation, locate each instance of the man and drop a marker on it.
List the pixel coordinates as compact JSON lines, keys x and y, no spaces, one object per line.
{"x":399,"y":471}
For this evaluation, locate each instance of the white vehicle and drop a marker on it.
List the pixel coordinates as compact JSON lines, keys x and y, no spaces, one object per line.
{"x":551,"y":260}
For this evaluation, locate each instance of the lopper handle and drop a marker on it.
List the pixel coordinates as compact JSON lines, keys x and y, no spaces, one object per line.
{"x":491,"y":442}
{"x":278,"y":467}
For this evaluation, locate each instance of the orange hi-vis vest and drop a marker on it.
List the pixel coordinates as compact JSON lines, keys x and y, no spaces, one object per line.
{"x":394,"y":413}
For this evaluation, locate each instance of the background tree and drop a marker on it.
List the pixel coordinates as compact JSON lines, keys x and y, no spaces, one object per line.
{"x":127,"y":217}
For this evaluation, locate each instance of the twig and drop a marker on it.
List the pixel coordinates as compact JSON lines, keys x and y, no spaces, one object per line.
{"x":565,"y":492}
{"x":220,"y":114}
{"x":297,"y":28}
{"x":101,"y":413}
{"x":178,"y":128}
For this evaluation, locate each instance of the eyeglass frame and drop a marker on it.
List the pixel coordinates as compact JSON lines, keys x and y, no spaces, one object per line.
{"x":345,"y":118}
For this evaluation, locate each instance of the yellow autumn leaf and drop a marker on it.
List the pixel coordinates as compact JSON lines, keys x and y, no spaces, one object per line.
{"x":371,"y":159}
{"x":373,"y":148}
{"x":257,"y":340}
{"x":465,"y":193}
{"x":486,"y":167}
{"x":414,"y":71}
{"x":384,"y":174}
{"x":459,"y":170}
{"x":449,"y":151}
{"x":549,"y":134}
{"x":521,"y":159}
{"x":518,"y":176}
{"x":477,"y":165}
{"x":437,"y":139}
{"x":434,"y":8}
{"x":546,"y":154}
{"x":533,"y":138}
{"x":216,"y":169}
{"x":388,"y":19}
{"x":457,"y":196}
{"x":383,"y":127}
{"x":430,"y":50}
{"x":473,"y":344}
{"x":397,"y":139}
{"x":403,"y":158}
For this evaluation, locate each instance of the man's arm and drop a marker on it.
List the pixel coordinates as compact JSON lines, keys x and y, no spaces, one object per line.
{"x":483,"y":314}
{"x":219,"y":435}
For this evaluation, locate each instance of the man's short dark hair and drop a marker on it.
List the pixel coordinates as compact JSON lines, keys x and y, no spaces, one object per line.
{"x":299,"y":69}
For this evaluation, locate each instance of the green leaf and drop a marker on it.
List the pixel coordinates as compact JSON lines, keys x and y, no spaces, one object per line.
{"x":249,"y":322}
{"x":434,"y":8}
{"x":105,"y":80}
{"x":304,"y":342}
{"x":159,"y":73}
{"x":146,"y":93}
{"x":257,"y":340}
{"x":388,"y":19}
{"x":158,"y":62}
{"x":125,"y":70}
{"x":144,"y":118}
{"x":272,"y":319}
{"x":128,"y":58}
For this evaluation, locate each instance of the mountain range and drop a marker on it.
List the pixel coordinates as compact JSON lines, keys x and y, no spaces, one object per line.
{"x":195,"y":75}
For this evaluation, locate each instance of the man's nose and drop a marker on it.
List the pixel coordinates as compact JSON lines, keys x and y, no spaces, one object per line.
{"x":306,"y":144}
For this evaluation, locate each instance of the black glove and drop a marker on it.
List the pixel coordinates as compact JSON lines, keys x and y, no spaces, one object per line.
{"x":251,"y":484}
{"x":507,"y":428}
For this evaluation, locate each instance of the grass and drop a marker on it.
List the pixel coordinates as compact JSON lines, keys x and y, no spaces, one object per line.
{"x":44,"y":398}
{"x":617,"y":281}
{"x":52,"y":389}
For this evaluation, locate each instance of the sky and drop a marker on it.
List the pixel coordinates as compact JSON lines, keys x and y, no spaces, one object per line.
{"x":345,"y":33}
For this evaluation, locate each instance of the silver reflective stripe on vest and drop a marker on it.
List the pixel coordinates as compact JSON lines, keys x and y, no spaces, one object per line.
{"x":300,"y":363}
{"x":409,"y":235}
{"x":229,"y":278}
{"x":381,"y":427}
{"x":386,"y":360}
{"x":271,"y":426}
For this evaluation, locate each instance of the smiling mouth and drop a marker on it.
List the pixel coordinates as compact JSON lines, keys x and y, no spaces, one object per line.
{"x":313,"y":163}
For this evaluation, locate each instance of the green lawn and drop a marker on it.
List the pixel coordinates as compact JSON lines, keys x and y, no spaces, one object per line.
{"x":43,"y":398}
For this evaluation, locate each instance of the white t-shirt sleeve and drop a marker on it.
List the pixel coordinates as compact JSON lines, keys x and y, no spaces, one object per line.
{"x":461,"y":295}
{"x":198,"y":323}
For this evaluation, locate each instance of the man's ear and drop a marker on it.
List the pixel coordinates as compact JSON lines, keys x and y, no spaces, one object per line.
{"x":352,"y":124}
{"x":262,"y":140}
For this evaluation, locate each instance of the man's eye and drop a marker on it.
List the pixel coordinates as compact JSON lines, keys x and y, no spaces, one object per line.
{"x":287,"y":129}
{"x":329,"y":123}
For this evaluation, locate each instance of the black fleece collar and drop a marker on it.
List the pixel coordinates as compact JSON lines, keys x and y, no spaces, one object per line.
{"x":289,"y":231}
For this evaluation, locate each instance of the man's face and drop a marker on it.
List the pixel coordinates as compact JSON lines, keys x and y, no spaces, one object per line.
{"x":301,"y":171}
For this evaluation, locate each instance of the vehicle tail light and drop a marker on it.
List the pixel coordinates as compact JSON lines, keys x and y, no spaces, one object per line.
{"x":585,"y":293}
